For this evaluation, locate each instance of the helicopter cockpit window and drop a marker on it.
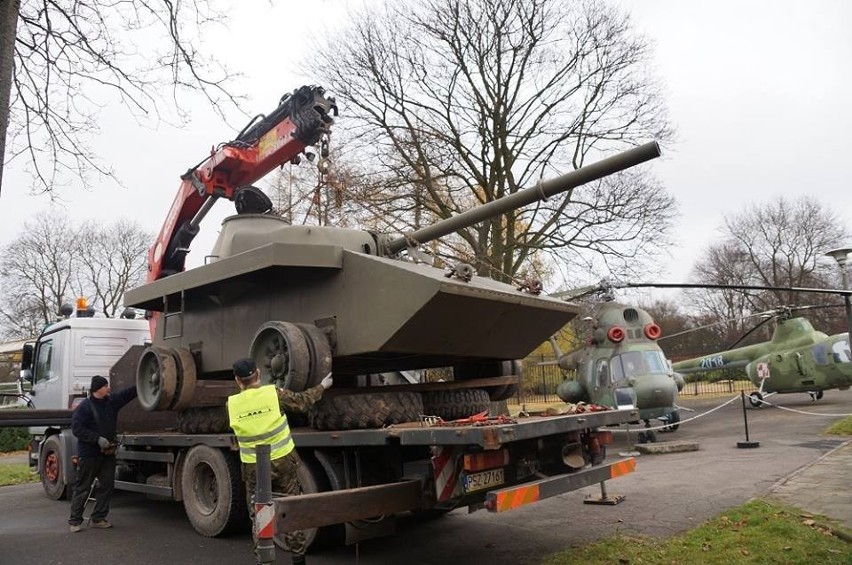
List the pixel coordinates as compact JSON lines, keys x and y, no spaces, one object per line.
{"x":617,"y":369}
{"x":656,"y":362}
{"x":840,"y":351}
{"x":632,"y":363}
{"x":820,"y":353}
{"x":603,"y":373}
{"x":635,"y":363}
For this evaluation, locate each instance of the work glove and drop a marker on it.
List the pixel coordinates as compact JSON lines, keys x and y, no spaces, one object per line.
{"x":327,"y":382}
{"x":103,"y":442}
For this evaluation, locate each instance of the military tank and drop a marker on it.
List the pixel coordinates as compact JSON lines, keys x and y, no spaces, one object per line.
{"x":304,"y":301}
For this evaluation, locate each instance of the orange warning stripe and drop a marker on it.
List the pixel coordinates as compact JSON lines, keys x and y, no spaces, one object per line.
{"x":622,"y":468}
{"x":509,"y":499}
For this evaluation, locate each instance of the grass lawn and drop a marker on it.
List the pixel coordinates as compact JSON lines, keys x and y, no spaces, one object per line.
{"x":756,"y":532}
{"x":841,"y":427}
{"x":16,"y":473}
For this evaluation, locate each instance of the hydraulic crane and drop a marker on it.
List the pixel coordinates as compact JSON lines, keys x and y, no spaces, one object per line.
{"x":302,"y":118}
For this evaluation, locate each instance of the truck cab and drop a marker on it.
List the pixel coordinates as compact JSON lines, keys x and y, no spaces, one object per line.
{"x":68,"y":353}
{"x":59,"y":367}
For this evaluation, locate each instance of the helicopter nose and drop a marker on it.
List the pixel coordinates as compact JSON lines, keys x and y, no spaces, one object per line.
{"x":655,"y":391}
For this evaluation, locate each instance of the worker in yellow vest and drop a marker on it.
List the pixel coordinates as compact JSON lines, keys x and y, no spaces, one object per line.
{"x":257,"y":417}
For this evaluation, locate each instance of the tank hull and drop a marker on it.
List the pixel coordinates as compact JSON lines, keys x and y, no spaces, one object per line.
{"x":380,"y":314}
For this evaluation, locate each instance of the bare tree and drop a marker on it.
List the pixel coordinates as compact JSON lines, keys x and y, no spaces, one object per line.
{"x":456,"y":103}
{"x":37,"y":274}
{"x":8,"y":25}
{"x":776,"y":243}
{"x":52,"y":262}
{"x":71,"y":56}
{"x":112,"y":260}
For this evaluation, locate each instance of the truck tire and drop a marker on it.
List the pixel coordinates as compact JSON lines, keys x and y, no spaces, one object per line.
{"x":207,"y":420}
{"x":213,"y":492}
{"x":364,"y":411}
{"x":455,"y":404}
{"x":50,"y":469}
{"x":505,"y":392}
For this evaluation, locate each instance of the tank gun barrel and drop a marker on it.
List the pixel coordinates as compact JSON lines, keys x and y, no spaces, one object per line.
{"x":541,"y":191}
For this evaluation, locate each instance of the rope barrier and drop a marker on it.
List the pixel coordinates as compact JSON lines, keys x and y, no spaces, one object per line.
{"x":667,"y":426}
{"x":761,"y":401}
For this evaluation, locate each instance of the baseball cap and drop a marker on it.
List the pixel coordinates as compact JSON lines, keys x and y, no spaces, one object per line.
{"x":245,"y":367}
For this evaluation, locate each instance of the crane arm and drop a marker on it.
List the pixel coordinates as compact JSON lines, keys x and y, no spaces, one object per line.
{"x":301,"y":119}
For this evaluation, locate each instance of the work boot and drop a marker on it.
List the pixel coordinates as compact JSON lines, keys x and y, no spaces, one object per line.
{"x":101,"y":524}
{"x":74,"y":528}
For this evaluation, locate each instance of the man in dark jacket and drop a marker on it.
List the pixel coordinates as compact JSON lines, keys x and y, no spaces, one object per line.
{"x":93,"y":424}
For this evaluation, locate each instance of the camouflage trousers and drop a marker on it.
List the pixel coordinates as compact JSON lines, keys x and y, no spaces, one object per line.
{"x":285,"y":482}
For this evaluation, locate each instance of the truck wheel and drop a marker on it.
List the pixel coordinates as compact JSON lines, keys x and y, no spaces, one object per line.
{"x":483,"y":369}
{"x":363,"y":411}
{"x":156,"y":379}
{"x":50,"y":469}
{"x":213,"y":492}
{"x":207,"y":420}
{"x":455,"y":404}
{"x":496,"y":394}
{"x":280,"y":350}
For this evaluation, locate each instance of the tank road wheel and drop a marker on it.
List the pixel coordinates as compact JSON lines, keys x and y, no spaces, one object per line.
{"x":363,"y":411}
{"x":319,"y":351}
{"x":756,"y":400}
{"x":455,"y":404}
{"x":50,"y":469}
{"x":156,"y":379}
{"x":186,"y":378}
{"x":213,"y":492}
{"x":280,"y":350}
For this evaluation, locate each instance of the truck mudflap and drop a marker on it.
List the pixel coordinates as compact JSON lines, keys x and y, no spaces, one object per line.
{"x":501,"y":500}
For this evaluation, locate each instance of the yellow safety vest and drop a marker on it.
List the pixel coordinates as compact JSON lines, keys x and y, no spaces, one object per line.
{"x":256,"y":419}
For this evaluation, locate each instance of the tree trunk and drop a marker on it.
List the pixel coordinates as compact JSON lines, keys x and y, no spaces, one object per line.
{"x":8,"y":29}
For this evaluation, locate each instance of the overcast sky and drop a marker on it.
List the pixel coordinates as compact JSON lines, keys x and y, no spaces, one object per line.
{"x":759,"y":91}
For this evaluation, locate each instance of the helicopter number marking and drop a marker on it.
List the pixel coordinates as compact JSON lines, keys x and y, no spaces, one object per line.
{"x":712,"y":362}
{"x":763,"y":371}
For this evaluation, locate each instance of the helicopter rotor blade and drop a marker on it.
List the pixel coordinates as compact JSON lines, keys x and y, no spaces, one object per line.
{"x":836,"y":291}
{"x":751,"y":331}
{"x":774,"y":313}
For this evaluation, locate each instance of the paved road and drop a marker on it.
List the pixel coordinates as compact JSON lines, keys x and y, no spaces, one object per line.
{"x":667,"y":494}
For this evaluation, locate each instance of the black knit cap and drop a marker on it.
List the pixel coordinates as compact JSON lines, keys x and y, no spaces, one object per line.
{"x":98,"y":382}
{"x":245,"y":367}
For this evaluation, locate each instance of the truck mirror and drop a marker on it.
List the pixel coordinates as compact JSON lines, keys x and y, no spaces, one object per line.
{"x":27,"y":357}
{"x":26,"y":380}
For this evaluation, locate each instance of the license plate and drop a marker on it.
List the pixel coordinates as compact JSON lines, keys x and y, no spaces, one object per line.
{"x":483,"y":480}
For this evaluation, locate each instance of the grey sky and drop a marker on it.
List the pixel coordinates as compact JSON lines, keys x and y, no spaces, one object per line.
{"x":759,"y":92}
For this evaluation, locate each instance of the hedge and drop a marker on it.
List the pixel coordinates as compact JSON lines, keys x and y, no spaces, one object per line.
{"x":14,"y":439}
